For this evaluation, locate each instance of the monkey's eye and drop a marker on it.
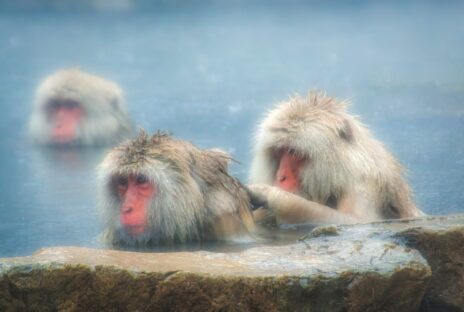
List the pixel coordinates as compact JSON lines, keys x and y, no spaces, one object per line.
{"x":53,"y":106}
{"x":292,"y":151}
{"x":122,"y":181}
{"x":70,"y":104}
{"x":142,"y":179}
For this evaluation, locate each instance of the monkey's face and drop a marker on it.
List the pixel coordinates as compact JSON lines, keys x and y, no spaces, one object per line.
{"x":289,"y":166}
{"x":64,"y":116}
{"x":135,"y":193}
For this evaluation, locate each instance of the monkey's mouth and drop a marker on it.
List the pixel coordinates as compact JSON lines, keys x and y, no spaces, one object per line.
{"x":65,"y":116}
{"x":59,"y":138}
{"x":290,"y":164}
{"x":134,"y":230}
{"x":132,"y":224}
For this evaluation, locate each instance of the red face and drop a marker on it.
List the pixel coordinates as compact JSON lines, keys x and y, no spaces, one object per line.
{"x":288,"y":173}
{"x":65,"y":116}
{"x":136,"y":193}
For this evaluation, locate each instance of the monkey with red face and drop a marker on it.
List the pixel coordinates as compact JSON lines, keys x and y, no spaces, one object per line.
{"x":315,"y":163}
{"x":76,"y":108}
{"x":159,"y":190}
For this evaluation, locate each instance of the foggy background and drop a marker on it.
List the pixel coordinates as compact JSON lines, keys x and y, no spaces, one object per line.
{"x":207,"y":71}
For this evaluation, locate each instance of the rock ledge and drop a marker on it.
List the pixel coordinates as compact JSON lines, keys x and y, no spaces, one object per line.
{"x":407,"y":265}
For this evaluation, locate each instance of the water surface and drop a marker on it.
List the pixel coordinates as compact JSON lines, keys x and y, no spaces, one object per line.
{"x":207,"y":72}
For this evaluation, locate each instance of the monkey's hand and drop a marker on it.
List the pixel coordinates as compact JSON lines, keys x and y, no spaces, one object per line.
{"x":260,"y":197}
{"x":270,"y":197}
{"x":289,"y":208}
{"x":259,"y":194}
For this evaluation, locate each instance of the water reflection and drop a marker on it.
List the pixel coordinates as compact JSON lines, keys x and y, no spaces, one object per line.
{"x":67,"y":160}
{"x":267,"y":236}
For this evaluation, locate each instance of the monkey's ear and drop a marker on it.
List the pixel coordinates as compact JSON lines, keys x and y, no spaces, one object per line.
{"x":346,"y":131}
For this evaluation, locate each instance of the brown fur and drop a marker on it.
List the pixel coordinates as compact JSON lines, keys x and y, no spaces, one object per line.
{"x":348,"y":169}
{"x":196,"y":199}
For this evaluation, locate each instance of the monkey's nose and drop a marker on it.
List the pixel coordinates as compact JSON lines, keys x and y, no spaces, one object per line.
{"x":127,"y":210}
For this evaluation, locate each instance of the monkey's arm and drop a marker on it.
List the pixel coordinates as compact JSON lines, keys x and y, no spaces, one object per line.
{"x":289,"y":208}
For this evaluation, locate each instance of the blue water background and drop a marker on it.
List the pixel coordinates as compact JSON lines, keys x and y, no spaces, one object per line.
{"x":208,"y":71}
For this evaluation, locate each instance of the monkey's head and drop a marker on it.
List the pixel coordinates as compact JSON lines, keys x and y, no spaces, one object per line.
{"x":161,"y":190}
{"x":304,"y":146}
{"x":76,"y":108}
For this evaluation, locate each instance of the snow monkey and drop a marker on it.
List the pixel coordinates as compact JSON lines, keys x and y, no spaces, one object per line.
{"x":76,"y":108}
{"x":315,"y":163}
{"x":160,"y":190}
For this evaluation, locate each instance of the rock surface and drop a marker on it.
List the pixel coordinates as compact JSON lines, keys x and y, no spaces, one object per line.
{"x":386,"y":266}
{"x":442,"y":245}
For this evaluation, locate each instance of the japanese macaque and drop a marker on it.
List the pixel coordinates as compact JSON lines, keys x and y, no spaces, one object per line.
{"x":315,"y":163}
{"x":76,"y":108}
{"x":159,"y":190}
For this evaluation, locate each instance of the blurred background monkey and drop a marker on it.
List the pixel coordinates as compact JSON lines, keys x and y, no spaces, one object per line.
{"x":159,"y":190}
{"x":76,"y":108}
{"x":315,"y":163}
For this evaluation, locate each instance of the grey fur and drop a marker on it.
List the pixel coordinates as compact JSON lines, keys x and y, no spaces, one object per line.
{"x":106,"y":120}
{"x":195,"y":194}
{"x":343,"y":157}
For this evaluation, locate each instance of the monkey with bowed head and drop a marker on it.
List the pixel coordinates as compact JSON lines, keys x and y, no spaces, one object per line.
{"x":159,"y":190}
{"x":76,"y":108}
{"x":315,"y":163}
